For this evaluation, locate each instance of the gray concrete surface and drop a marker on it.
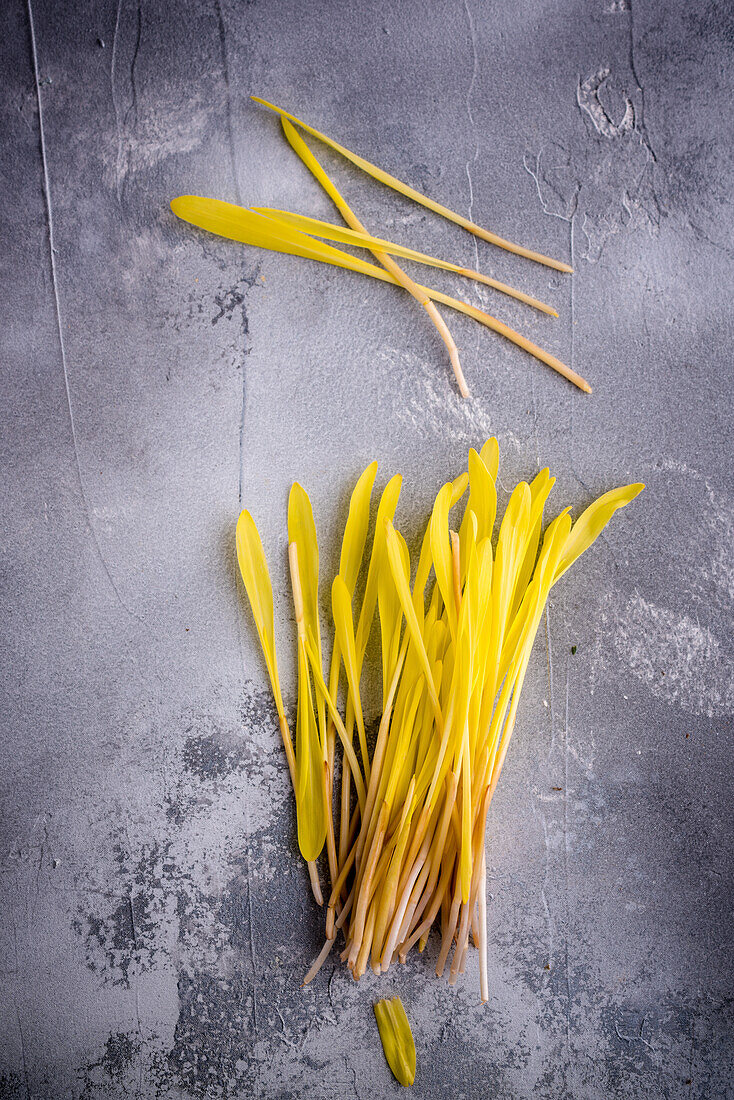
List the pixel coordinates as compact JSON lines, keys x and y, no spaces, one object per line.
{"x":156,"y":919}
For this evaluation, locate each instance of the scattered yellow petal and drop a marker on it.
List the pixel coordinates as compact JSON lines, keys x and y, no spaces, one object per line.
{"x":397,"y":1039}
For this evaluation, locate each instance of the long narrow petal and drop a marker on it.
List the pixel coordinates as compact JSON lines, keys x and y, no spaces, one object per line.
{"x":302,"y":531}
{"x":441,"y":553}
{"x":355,"y":529}
{"x":490,"y":456}
{"x":401,"y":583}
{"x":329,"y":232}
{"x":385,"y":511}
{"x":256,"y":578}
{"x":245,"y":226}
{"x":592,"y":522}
{"x":310,"y":809}
{"x":411,"y":193}
{"x":341,"y":602}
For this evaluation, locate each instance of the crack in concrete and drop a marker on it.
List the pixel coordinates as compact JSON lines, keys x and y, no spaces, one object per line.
{"x":59,"y":324}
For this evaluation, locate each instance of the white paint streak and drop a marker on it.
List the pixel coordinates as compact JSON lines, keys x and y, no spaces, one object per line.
{"x":168,"y":131}
{"x":714,"y":550}
{"x":680,"y":660}
{"x":426,"y":404}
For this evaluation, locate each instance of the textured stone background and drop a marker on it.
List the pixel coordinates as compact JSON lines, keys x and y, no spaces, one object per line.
{"x":156,"y":920}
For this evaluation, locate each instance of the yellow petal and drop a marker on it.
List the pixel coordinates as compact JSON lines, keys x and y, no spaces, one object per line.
{"x":302,"y":531}
{"x":353,"y":540}
{"x":482,"y":500}
{"x":299,"y":147}
{"x":310,"y":809}
{"x":540,"y":488}
{"x":391,"y":614}
{"x":514,"y":531}
{"x":323,"y":691}
{"x":385,"y":511}
{"x":490,"y":456}
{"x":441,"y":553}
{"x":422,"y":573}
{"x":592,"y":522}
{"x":512,"y":536}
{"x":355,"y":529}
{"x":341,"y":602}
{"x":517,"y":623}
{"x":484,"y":596}
{"x":254,"y":570}
{"x":397,"y":1039}
{"x":238,"y":224}
{"x":395,"y":559}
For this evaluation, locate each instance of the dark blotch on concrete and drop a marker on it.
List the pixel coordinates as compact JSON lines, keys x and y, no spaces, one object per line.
{"x":12,"y":1087}
{"x":118,"y":1053}
{"x":213,"y":1036}
{"x":206,"y":756}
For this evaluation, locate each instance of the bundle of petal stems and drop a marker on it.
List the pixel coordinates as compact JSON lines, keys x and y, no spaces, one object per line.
{"x":406,"y":846}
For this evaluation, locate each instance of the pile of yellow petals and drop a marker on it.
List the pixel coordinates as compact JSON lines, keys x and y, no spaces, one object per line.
{"x":406,"y":844}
